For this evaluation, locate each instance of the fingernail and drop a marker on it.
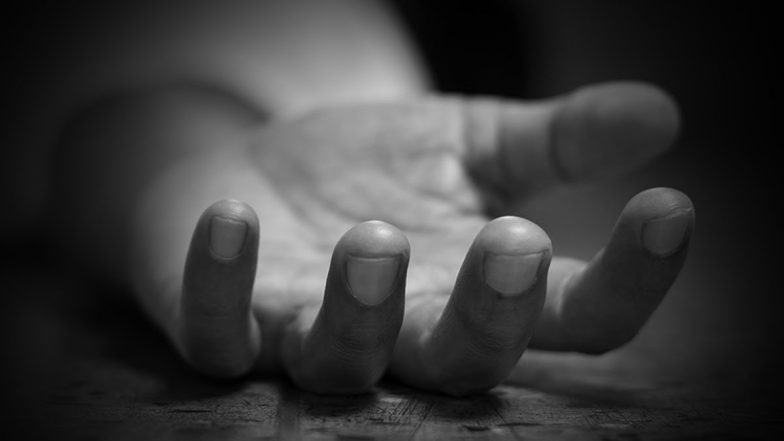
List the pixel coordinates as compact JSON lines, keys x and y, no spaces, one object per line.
{"x":511,"y":274}
{"x":227,"y":236}
{"x":371,"y":278}
{"x":664,"y":235}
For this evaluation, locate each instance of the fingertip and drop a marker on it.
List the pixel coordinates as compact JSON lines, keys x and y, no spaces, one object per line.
{"x":650,"y":239}
{"x":657,"y":202}
{"x":516,"y":251}
{"x":647,"y":104}
{"x":231,"y":228}
{"x":375,"y":255}
{"x":234,"y":210}
{"x":664,"y":218}
{"x":633,"y":111}
{"x":372,"y":239}
{"x":513,"y":235}
{"x":611,"y":128}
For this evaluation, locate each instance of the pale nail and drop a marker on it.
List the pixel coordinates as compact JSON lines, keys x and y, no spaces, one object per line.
{"x":664,"y":235}
{"x":371,"y":278}
{"x":227,"y":236}
{"x":511,"y":274}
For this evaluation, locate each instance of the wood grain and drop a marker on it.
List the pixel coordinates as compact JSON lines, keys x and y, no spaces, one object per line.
{"x":114,"y":377}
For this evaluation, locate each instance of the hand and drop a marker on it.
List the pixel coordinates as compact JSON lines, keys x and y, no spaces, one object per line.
{"x":299,"y":278}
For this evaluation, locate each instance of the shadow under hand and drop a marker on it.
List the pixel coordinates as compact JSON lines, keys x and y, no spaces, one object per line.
{"x":117,"y":338}
{"x":618,"y":377}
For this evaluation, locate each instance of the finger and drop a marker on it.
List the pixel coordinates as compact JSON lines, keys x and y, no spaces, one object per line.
{"x":470,"y":344}
{"x":345,"y":345}
{"x":593,"y":132}
{"x":601,"y":305}
{"x":217,"y":332}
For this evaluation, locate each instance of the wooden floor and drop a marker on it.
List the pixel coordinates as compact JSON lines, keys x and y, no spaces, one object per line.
{"x":116,"y":402}
{"x":113,"y":377}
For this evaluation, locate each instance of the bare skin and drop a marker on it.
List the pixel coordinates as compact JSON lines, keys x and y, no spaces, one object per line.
{"x":356,"y":241}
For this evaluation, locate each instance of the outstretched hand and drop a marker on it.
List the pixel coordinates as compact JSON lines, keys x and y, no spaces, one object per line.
{"x":356,"y":241}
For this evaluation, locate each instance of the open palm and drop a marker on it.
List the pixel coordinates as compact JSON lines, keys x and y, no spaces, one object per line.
{"x":293,"y":269}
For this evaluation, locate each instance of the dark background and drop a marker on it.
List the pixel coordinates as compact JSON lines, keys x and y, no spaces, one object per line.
{"x":723,"y":317}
